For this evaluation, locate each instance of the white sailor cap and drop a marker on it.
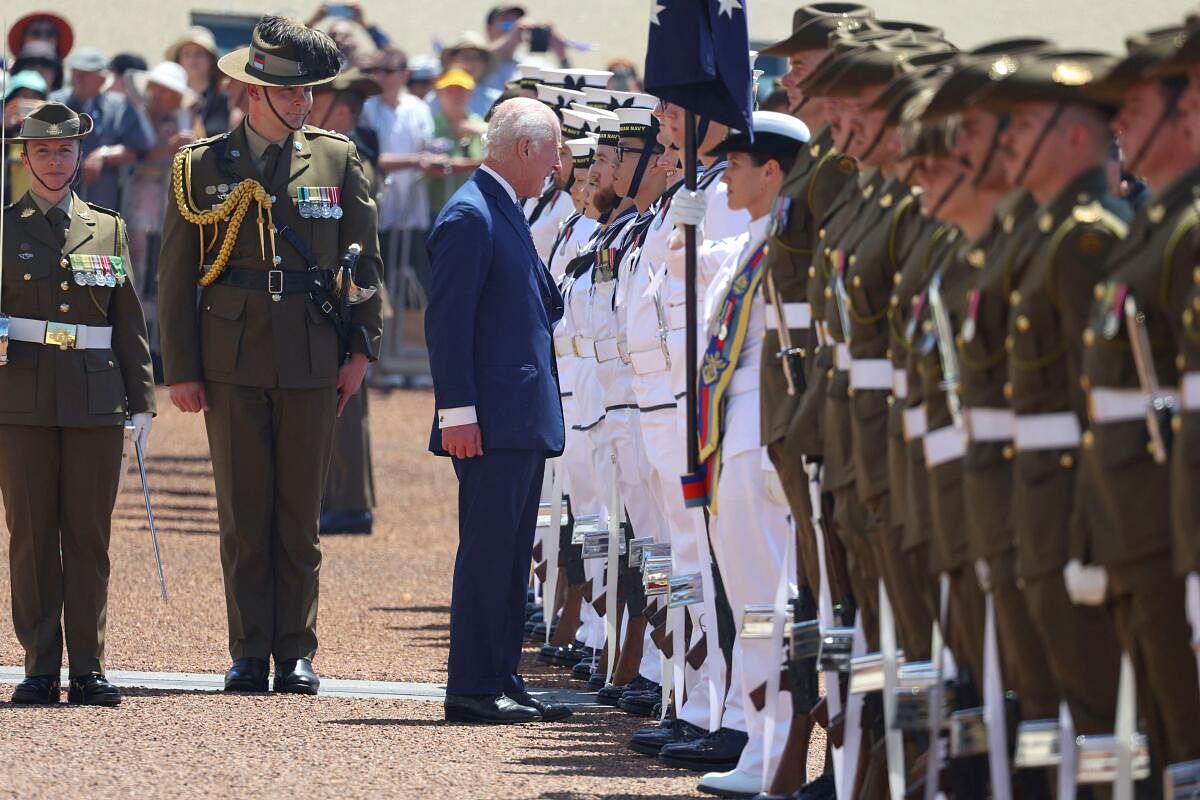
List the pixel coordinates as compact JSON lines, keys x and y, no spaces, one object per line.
{"x":775,"y":134}
{"x":633,"y":100}
{"x":529,"y":75}
{"x":558,"y":97}
{"x":583,"y":150}
{"x":575,"y":79}
{"x":637,"y":121}
{"x":610,"y":130}
{"x":576,"y":123}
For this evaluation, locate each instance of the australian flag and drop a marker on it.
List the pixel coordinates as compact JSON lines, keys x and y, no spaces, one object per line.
{"x":698,"y":57}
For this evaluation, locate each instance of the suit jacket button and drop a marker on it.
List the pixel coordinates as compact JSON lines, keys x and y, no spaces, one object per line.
{"x":65,"y":286}
{"x":1066,"y":461}
{"x":27,"y":276}
{"x":64,"y":308}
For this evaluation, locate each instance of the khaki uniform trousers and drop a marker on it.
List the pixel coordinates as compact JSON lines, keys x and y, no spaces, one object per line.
{"x":270,"y":452}
{"x":351,"y":482}
{"x":60,"y":486}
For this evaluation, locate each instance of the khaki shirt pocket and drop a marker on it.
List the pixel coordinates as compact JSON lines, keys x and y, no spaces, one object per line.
{"x":18,"y":380}
{"x":222,"y":322}
{"x":105,"y":387}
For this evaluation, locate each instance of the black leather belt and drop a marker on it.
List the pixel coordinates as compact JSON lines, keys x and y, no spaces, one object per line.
{"x":274,"y":281}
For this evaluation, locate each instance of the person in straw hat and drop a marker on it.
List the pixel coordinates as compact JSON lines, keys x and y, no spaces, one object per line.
{"x":196,"y":51}
{"x":74,"y":366}
{"x":273,"y":352}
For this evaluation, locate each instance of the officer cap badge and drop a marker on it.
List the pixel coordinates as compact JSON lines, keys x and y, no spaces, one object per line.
{"x":1071,"y":73}
{"x":1002,"y":67}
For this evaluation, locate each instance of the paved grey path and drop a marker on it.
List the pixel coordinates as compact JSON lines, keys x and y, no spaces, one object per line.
{"x":330,"y":687}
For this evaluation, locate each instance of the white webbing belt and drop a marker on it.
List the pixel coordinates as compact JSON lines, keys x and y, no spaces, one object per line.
{"x":841,"y":356}
{"x":797,"y":315}
{"x":1046,"y":431}
{"x":584,"y":347}
{"x":1189,"y":391}
{"x":900,"y":383}
{"x":915,"y":423}
{"x":647,"y":362}
{"x":87,"y":337}
{"x":870,"y":373}
{"x":607,"y":350}
{"x":944,"y":445}
{"x":990,"y":424}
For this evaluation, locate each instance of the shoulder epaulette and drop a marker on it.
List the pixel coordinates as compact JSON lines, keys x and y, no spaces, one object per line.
{"x":1188,"y":221}
{"x":102,"y":209}
{"x":311,"y":131}
{"x":1096,"y":214}
{"x":205,"y":141}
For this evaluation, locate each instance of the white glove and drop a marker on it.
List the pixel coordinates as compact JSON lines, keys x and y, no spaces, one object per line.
{"x":1086,"y":585}
{"x":983,"y":574}
{"x":1193,"y":607}
{"x":688,"y":208}
{"x":141,"y":428}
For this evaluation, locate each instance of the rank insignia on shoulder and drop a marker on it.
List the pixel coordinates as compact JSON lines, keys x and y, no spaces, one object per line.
{"x":977,"y":258}
{"x":885,"y":201}
{"x":815,"y":151}
{"x":1046,"y":222}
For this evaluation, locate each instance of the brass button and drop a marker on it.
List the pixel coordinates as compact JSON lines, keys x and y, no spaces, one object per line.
{"x":27,"y":276}
{"x":1196,"y":275}
{"x":1098,"y":292}
{"x":1088,"y":440}
{"x":65,"y":285}
{"x":821,"y":233}
{"x":895,"y":301}
{"x":1008,"y":452}
{"x":891,"y":401}
{"x":64,"y":308}
{"x":1180,"y":362}
{"x":1008,"y":391}
{"x":927,"y":326}
{"x":812,"y":272}
{"x":856,"y":282}
{"x":1023,"y":324}
{"x":828,"y":252}
{"x":1066,"y":461}
{"x":896,"y":279}
{"x":111,"y":364}
{"x":1046,"y":222}
{"x":1150,"y":448}
{"x":853,"y":259}
{"x":829,"y":373}
{"x":888,"y":354}
{"x":1089,"y":338}
{"x":850,"y":392}
{"x":1014,"y":297}
{"x":1009,"y":344}
{"x":828,"y":293}
{"x":1177,"y":424}
{"x":64,"y":263}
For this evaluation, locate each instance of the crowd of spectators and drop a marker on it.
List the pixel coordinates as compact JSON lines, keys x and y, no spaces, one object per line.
{"x":419,"y":120}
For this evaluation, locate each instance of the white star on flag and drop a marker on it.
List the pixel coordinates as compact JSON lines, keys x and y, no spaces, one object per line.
{"x":728,"y":6}
{"x":656,"y":8}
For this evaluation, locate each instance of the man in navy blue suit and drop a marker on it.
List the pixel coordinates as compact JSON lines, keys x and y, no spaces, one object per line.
{"x":492,"y":304}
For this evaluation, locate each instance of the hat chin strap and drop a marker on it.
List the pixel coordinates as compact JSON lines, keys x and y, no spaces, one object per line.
{"x":69,"y":181}
{"x":1041,"y":140}
{"x":946,"y":195}
{"x":640,"y":171}
{"x":1153,"y":137}
{"x":278,"y":116}
{"x":993,"y":148}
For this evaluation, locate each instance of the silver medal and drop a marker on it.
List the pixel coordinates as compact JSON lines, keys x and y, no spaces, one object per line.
{"x":80,"y":279}
{"x":337,"y":212}
{"x":110,"y":280}
{"x":326,"y":211}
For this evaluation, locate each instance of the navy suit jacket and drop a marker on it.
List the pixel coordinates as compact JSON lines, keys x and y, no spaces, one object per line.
{"x":492,"y":307}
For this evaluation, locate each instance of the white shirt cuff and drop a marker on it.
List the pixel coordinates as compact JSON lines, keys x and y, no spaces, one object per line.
{"x":451,"y":417}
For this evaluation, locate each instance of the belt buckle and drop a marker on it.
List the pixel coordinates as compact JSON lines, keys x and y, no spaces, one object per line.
{"x":275,"y":284}
{"x":61,"y":334}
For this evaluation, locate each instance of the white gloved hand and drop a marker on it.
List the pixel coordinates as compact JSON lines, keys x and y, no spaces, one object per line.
{"x":983,"y":574}
{"x":142,"y":421}
{"x":1086,"y":585}
{"x":1193,"y":607}
{"x":688,"y":207}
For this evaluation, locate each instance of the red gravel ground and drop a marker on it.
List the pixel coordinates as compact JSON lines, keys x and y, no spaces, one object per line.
{"x":384,"y":616}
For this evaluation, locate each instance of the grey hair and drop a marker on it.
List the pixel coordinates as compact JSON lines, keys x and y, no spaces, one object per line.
{"x":514,"y":120}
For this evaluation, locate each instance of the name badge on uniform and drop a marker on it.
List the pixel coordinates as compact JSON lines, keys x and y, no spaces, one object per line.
{"x":319,"y":202}
{"x":95,"y":270}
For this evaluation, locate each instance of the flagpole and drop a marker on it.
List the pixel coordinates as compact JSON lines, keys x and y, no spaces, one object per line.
{"x":689,"y":241}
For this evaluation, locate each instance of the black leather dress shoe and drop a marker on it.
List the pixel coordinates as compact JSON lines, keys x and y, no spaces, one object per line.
{"x":93,"y":690}
{"x":596,"y":681}
{"x":359,"y":522}
{"x":37,"y":690}
{"x":495,"y":710}
{"x":641,"y":704}
{"x":549,"y":712}
{"x":583,"y":670}
{"x":822,"y":788}
{"x":296,"y":676}
{"x":649,"y":741}
{"x":718,"y":751}
{"x":611,"y":694}
{"x":567,"y":656}
{"x":247,"y":675}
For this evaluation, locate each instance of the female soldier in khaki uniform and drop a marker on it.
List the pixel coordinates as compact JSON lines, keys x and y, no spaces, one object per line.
{"x":77,"y":364}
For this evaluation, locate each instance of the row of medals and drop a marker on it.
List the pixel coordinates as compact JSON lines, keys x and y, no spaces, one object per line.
{"x":318,"y":202}
{"x":97,"y":271}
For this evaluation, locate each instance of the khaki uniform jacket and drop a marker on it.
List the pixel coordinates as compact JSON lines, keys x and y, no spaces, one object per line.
{"x":1130,"y":512}
{"x":43,"y":385}
{"x":244,"y":337}
{"x":870,"y":281}
{"x":1185,"y":450}
{"x":1076,"y":234}
{"x":814,"y":181}
{"x":983,"y":371}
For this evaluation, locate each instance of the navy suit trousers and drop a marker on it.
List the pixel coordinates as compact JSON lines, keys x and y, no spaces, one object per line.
{"x":498,"y":495}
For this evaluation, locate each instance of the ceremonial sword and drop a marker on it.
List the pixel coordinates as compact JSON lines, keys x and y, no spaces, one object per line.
{"x":1160,"y":404}
{"x":141,"y":459}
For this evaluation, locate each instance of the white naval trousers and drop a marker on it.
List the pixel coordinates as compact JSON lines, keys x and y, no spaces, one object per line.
{"x":750,"y":533}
